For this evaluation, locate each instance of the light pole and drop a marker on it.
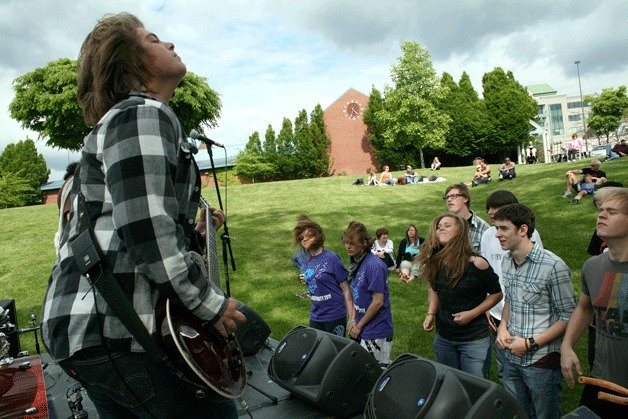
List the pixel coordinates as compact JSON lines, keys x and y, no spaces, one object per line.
{"x":584,"y":124}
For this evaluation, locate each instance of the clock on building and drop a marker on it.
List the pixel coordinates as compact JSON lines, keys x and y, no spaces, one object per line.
{"x":353,"y":109}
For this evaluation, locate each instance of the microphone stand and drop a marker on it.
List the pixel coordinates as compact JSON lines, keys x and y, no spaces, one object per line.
{"x":225,"y":238}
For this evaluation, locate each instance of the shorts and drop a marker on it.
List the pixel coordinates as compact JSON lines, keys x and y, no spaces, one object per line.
{"x":379,"y":348}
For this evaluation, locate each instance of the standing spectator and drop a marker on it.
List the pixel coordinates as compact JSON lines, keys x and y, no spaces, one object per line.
{"x":539,"y":300}
{"x":409,"y":247}
{"x":326,"y":279}
{"x":369,"y":283}
{"x":493,"y":252}
{"x":383,"y":248}
{"x":604,"y":293}
{"x":599,"y":176}
{"x":458,"y":201}
{"x":436,"y":164}
{"x":507,"y":170}
{"x":531,"y":152}
{"x":462,"y":288}
{"x":410,"y":175}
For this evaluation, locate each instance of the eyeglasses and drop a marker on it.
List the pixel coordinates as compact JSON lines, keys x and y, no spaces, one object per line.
{"x":452,"y":196}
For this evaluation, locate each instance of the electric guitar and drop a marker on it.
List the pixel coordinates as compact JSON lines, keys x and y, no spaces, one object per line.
{"x":200,"y":352}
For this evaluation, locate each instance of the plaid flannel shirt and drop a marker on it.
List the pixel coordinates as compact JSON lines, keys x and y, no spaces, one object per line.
{"x":540,"y":293}
{"x":477,"y":227}
{"x":142,"y":189}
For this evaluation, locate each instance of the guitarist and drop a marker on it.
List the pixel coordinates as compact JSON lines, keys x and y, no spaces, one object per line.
{"x":142,"y":190}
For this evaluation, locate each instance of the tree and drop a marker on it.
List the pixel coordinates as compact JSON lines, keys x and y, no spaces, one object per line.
{"x":608,"y":111}
{"x":376,"y":127}
{"x":22,"y":160}
{"x":469,"y":125}
{"x":254,"y":146}
{"x":410,"y":117}
{"x":284,"y":161}
{"x":254,"y":167}
{"x":509,"y":109}
{"x":45,"y":101}
{"x":320,"y":141}
{"x":14,"y":190}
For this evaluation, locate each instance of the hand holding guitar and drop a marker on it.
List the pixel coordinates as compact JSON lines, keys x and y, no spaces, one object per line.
{"x":227,"y":323}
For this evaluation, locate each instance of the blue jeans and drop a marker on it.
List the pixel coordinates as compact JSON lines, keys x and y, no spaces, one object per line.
{"x":466,"y":356}
{"x":150,"y":391}
{"x":537,"y":390}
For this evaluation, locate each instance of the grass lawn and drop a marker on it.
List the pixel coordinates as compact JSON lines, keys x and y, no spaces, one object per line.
{"x":261,"y":218}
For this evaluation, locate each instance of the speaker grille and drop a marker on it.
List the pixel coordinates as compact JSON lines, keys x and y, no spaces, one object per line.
{"x":293,"y":353}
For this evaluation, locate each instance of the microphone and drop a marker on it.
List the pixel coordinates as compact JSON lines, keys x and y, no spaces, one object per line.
{"x":208,"y":141}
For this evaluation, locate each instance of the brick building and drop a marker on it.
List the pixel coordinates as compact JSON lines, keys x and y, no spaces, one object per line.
{"x":350,"y":146}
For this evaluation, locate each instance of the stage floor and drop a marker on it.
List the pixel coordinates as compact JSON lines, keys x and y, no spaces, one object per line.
{"x":281,"y":404}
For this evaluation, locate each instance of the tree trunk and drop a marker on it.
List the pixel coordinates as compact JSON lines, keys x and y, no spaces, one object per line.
{"x":422,"y":158}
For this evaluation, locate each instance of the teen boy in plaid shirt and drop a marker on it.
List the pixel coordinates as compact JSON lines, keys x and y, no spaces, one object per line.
{"x":539,"y":298}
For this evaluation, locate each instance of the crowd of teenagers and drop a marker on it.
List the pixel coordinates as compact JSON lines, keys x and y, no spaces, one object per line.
{"x":494,"y":290}
{"x":135,"y":197}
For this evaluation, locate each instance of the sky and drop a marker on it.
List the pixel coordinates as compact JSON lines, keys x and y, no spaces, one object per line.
{"x":270,"y":59}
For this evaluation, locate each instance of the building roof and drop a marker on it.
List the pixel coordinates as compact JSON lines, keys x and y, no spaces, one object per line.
{"x":541,"y":90}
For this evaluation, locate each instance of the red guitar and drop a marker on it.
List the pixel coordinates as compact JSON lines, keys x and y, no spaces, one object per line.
{"x":200,"y":352}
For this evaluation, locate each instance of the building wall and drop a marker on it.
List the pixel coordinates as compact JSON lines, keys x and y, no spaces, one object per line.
{"x":561,"y":116}
{"x":350,"y":147}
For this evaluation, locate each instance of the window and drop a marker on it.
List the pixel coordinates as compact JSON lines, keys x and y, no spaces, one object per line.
{"x":573,"y":118}
{"x":556,"y":119}
{"x":574,"y":105}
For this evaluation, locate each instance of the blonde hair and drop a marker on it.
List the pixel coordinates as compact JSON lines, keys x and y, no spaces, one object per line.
{"x":612,"y":193}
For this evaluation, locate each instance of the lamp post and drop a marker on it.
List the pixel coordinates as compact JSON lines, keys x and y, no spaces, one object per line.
{"x":584,"y":124}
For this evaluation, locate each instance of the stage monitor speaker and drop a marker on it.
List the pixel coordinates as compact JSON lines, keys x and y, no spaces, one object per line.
{"x":253,"y":334}
{"x":415,"y":387}
{"x":12,"y":336}
{"x":331,"y":372}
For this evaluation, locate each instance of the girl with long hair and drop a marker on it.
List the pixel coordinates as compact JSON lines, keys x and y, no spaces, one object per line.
{"x":462,"y":287}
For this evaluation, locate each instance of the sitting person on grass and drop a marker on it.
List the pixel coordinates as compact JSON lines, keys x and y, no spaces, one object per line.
{"x":482,"y":173}
{"x":372,"y":179}
{"x":436,"y":164}
{"x":507,"y":170}
{"x":572,"y":180}
{"x":587,"y":187}
{"x":386,"y":177}
{"x":410,"y":175}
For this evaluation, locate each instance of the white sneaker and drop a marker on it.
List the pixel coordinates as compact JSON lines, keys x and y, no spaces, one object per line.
{"x":567,"y":194}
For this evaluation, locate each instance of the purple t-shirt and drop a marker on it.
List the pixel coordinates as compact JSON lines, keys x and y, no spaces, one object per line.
{"x":372,"y":276}
{"x":323,"y":274}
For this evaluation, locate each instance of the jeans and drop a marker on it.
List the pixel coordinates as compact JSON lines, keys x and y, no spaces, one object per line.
{"x":466,"y":356}
{"x":150,"y":391}
{"x":537,"y":390}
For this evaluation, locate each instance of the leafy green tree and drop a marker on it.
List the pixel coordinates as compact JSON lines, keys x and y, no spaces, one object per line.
{"x":411,"y":118}
{"x":376,"y":127}
{"x":608,"y":111}
{"x":45,"y":101}
{"x":509,"y":109}
{"x":254,"y":167}
{"x":320,"y":141}
{"x":22,"y":159}
{"x":270,"y":143}
{"x":469,"y":125}
{"x":285,"y":161}
{"x":14,"y":190}
{"x":254,"y":146}
{"x":305,"y":153}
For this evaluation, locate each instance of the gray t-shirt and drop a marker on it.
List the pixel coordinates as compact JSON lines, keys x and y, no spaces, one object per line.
{"x":606,"y":282}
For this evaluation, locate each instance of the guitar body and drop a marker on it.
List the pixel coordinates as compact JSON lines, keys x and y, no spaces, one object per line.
{"x":200,"y":352}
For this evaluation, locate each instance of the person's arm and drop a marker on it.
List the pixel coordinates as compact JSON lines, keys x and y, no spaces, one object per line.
{"x":432,"y":306}
{"x":346,"y":292}
{"x":376,"y":304}
{"x":464,"y":317}
{"x":580,"y":319}
{"x":503,"y":336}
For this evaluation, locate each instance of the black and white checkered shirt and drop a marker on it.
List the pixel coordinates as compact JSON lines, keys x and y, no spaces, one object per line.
{"x":142,"y":189}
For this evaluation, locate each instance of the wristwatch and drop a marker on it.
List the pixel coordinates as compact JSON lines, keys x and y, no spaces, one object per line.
{"x":533,"y":345}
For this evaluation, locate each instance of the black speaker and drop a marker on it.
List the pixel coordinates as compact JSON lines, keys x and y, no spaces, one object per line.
{"x":331,"y":372}
{"x":415,"y":387}
{"x":11,"y":332}
{"x":253,"y":333}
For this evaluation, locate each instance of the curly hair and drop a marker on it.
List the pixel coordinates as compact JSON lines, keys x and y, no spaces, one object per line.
{"x":111,"y":63}
{"x":450,"y":260}
{"x":357,"y":232}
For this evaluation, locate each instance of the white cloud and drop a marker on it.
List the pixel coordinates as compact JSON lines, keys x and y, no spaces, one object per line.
{"x":270,"y":59}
